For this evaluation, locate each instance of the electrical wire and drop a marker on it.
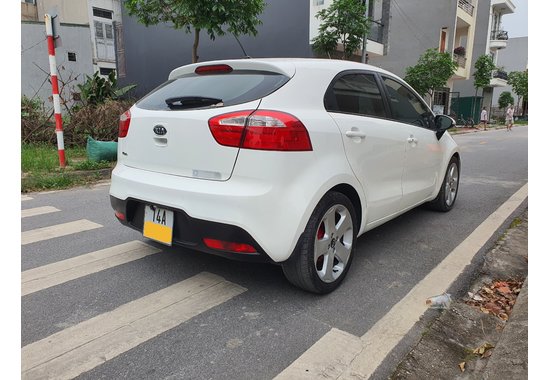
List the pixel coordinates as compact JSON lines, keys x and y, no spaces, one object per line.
{"x":410,"y":23}
{"x":38,"y":43}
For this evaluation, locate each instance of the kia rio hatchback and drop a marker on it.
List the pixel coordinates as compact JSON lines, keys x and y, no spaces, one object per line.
{"x":285,"y":161}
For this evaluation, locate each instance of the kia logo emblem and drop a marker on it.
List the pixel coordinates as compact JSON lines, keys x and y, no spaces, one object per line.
{"x":159,"y":130}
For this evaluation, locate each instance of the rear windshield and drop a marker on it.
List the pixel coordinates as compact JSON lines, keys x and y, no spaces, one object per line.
{"x":231,"y":88}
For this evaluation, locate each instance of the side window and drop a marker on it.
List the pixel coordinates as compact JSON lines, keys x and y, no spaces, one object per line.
{"x":357,"y":94}
{"x":406,"y":106}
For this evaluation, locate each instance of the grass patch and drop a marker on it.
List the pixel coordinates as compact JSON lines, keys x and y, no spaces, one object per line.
{"x":92,"y":165}
{"x":515,"y":223}
{"x":41,"y":170}
{"x":45,"y":158}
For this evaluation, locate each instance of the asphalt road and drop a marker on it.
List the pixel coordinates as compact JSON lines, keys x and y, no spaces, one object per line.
{"x":259,"y":332}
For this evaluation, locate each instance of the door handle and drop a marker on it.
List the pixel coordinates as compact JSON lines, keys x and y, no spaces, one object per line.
{"x":354,"y":133}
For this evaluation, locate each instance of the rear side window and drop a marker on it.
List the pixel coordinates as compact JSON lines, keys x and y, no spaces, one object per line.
{"x":406,"y":106}
{"x":214,"y":90}
{"x":356,"y":94}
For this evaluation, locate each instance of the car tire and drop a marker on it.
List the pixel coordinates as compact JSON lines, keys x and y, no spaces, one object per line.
{"x":324,"y":253}
{"x":448,"y":192}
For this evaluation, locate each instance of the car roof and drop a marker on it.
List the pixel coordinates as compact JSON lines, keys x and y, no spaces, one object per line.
{"x":286,"y":66}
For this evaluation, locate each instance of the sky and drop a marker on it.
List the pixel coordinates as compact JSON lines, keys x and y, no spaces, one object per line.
{"x":516,"y":23}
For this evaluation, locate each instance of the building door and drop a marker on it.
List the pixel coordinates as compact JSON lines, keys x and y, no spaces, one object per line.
{"x":441,"y":101}
{"x":104,"y":34}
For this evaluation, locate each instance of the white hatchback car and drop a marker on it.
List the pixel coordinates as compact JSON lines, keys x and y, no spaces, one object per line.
{"x":280,"y":160}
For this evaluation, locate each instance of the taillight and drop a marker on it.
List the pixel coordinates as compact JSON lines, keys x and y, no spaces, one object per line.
{"x":124,"y":124}
{"x":228,"y":246}
{"x":260,"y":130}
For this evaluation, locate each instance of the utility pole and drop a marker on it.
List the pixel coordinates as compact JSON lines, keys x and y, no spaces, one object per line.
{"x":364,"y":49}
{"x":48,"y":19}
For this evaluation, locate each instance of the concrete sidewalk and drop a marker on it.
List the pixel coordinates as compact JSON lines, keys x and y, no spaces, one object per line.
{"x":470,"y":342}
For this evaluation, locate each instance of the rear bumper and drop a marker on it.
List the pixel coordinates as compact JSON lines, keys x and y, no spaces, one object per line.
{"x":189,"y":232}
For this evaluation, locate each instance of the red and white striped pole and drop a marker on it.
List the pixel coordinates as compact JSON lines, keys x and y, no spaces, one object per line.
{"x":55,"y":90}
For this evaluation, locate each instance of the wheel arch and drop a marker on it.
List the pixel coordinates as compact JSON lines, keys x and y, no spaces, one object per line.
{"x":350,"y":192}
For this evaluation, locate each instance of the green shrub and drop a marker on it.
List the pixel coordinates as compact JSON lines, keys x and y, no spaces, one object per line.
{"x":35,"y":122}
{"x":97,"y":90}
{"x":98,"y":121}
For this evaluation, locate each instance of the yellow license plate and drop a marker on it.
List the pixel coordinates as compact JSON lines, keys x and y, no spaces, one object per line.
{"x":158,"y":224}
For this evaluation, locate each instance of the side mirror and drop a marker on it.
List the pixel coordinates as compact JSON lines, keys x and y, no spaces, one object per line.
{"x":442,"y":123}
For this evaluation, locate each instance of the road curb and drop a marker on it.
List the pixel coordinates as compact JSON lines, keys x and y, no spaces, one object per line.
{"x":447,"y":348}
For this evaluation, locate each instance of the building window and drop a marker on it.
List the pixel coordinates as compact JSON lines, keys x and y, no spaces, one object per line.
{"x":105,"y":70}
{"x":103,"y":13}
{"x":71,"y":56}
{"x":318,"y":2}
{"x":30,"y":2}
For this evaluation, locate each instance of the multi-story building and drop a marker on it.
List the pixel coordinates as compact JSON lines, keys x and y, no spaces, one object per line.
{"x":513,"y":58}
{"x":491,"y":40}
{"x":416,"y":26}
{"x":378,"y":13}
{"x":287,"y":28}
{"x":86,"y":44}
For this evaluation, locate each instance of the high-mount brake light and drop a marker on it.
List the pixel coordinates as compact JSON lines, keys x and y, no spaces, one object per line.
{"x":260,"y":130}
{"x":124,"y":124}
{"x":213,"y":69}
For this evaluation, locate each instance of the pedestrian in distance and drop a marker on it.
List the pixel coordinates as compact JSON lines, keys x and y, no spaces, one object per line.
{"x":509,"y":118}
{"x":483,"y":118}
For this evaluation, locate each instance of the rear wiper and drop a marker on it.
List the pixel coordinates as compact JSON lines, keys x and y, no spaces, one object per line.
{"x":181,"y":102}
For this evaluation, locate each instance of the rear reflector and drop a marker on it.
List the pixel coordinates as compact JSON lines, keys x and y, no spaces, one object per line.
{"x":120,"y":215}
{"x":124,"y":124}
{"x":213,"y":69}
{"x":260,"y":130}
{"x":228,"y":246}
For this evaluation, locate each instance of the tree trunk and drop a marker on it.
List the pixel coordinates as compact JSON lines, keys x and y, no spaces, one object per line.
{"x":474,"y":101}
{"x":195,"y":57}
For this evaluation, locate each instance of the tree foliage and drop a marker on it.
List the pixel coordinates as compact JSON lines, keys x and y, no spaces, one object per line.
{"x":482,"y":76}
{"x":236,"y":16}
{"x":484,"y":71}
{"x":505,"y":99}
{"x":97,"y":90}
{"x":432,"y":71}
{"x":519,"y":82}
{"x":344,"y":22}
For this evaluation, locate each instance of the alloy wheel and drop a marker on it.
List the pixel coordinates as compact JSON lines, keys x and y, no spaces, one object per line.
{"x":333,"y":243}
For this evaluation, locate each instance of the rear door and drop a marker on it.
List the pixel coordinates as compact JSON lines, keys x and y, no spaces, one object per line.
{"x":423,"y":151}
{"x":169,"y":130}
{"x":375,"y":148}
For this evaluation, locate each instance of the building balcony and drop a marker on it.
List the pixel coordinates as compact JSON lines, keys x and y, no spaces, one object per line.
{"x":503,"y":6}
{"x":466,"y":6}
{"x":499,"y":40}
{"x":460,"y":59}
{"x":499,"y":79}
{"x":461,"y":72}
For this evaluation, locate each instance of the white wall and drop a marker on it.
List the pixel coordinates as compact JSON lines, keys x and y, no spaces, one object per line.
{"x":69,"y":11}
{"x":35,"y":67}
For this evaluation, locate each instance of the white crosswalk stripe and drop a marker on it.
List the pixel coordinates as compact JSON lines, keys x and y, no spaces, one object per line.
{"x":38,"y":211}
{"x":25,"y":198}
{"x":45,"y":233}
{"x":34,"y":280}
{"x":82,"y":347}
